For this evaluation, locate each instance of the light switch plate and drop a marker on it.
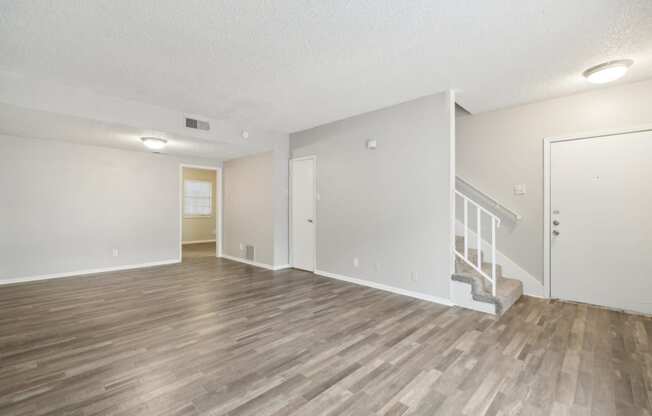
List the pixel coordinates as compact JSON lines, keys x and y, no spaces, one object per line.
{"x":519,"y":189}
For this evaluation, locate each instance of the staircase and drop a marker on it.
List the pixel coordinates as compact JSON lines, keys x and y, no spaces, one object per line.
{"x":508,"y":291}
{"x":478,"y":282}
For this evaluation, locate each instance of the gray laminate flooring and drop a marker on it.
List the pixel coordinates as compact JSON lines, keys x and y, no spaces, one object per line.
{"x":191,"y":251}
{"x":215,"y":337}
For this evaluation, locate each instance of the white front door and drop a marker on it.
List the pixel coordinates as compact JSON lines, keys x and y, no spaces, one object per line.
{"x":303,"y":213}
{"x":601,"y":221}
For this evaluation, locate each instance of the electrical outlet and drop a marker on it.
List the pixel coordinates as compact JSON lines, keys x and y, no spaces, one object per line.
{"x":414,"y":277}
{"x":241,"y":246}
{"x":115,"y":252}
{"x":356,"y":262}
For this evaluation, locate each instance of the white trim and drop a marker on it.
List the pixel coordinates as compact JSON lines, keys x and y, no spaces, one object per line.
{"x":547,"y":143}
{"x":386,"y":288}
{"x":219,"y":238}
{"x":451,"y":183}
{"x":87,"y":271}
{"x":197,"y":242}
{"x":314,"y":208}
{"x":255,"y":263}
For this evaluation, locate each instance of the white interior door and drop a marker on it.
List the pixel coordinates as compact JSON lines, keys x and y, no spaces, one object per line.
{"x":601,"y":221}
{"x":303,"y":213}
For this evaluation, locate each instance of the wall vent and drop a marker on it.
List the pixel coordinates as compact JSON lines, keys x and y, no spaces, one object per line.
{"x":192,"y":123}
{"x":249,"y":252}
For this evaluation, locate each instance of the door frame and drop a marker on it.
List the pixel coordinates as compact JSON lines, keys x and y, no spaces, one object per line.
{"x":314,"y":208}
{"x":218,"y":209}
{"x":547,"y":146}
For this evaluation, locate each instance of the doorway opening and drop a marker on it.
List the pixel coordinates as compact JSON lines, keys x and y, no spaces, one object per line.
{"x":200,"y":221}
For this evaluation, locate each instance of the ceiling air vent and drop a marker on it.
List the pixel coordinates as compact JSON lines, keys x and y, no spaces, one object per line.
{"x":192,"y":123}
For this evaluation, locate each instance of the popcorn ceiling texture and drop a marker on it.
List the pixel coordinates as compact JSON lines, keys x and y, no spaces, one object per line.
{"x":291,"y":65}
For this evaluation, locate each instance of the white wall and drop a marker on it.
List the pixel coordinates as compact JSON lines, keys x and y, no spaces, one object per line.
{"x":498,"y":149}
{"x":65,"y":207}
{"x":389,"y":207}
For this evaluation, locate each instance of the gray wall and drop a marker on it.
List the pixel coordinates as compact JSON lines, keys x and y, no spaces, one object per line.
{"x":496,"y":150}
{"x":66,"y":206}
{"x":249,"y":206}
{"x":389,"y":207}
{"x":280,"y":183}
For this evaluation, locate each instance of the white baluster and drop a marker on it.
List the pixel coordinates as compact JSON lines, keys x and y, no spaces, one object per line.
{"x":466,"y":229}
{"x":493,"y":255}
{"x":479,"y":239}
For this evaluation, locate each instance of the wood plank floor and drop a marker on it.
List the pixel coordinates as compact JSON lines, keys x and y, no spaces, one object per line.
{"x":195,"y":250}
{"x":215,"y":337}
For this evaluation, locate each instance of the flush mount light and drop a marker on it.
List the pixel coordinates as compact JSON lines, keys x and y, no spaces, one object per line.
{"x":245,"y":134}
{"x":154,"y":143}
{"x":608,"y":71}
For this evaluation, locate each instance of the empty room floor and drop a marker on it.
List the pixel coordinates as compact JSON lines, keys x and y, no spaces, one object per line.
{"x":214,"y":337}
{"x":191,"y":251}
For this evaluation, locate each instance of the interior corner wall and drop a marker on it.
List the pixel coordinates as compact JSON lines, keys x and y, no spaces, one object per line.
{"x":249,"y":207}
{"x":389,"y":207}
{"x":281,"y":155}
{"x":66,"y":206}
{"x":498,"y":149}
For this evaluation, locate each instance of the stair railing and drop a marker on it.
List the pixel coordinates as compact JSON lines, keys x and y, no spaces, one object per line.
{"x":487,"y":200}
{"x":495,"y":223}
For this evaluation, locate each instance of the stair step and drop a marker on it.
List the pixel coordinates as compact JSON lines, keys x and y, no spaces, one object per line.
{"x":508,"y":291}
{"x":462,"y":266}
{"x":473,"y":253}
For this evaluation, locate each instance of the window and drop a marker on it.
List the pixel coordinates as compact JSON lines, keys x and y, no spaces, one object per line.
{"x":197,"y":198}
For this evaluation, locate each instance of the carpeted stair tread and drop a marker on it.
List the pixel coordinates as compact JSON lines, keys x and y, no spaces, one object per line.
{"x":508,"y":291}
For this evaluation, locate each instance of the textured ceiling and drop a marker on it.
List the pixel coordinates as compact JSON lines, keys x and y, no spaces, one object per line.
{"x":289,"y":65}
{"x":22,"y":122}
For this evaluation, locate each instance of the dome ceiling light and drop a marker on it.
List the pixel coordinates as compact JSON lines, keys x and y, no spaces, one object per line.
{"x":608,"y":71}
{"x":154,"y":143}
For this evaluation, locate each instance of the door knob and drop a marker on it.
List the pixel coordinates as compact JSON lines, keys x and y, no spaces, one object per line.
{"x":309,"y":220}
{"x":555,"y":233}
{"x":555,"y":222}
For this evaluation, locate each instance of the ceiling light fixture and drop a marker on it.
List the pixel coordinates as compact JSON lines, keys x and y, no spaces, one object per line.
{"x":608,"y":71}
{"x":245,"y":134}
{"x":154,"y":143}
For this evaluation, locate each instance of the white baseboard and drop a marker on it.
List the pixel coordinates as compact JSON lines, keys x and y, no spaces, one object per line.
{"x":197,"y":242}
{"x":386,"y":288}
{"x":255,"y":263}
{"x":87,"y":271}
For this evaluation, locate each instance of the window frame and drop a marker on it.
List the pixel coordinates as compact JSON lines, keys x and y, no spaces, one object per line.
{"x":210,"y":199}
